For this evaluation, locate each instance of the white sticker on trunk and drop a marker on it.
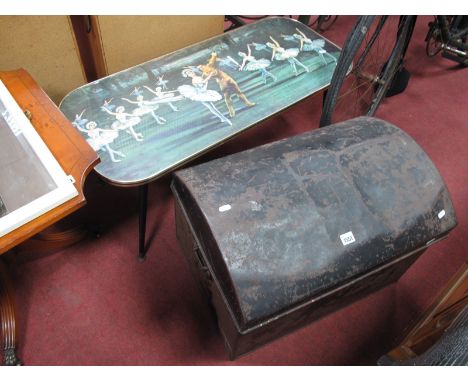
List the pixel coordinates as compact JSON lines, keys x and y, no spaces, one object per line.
{"x":441,"y":214}
{"x":347,"y":238}
{"x":224,"y":208}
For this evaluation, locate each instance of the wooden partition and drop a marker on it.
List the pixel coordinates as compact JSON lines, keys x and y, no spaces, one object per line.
{"x":45,"y":46}
{"x":131,"y":40}
{"x":63,"y":53}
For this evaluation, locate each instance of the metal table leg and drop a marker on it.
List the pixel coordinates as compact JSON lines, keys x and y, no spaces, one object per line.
{"x":143,"y":191}
{"x":305,"y":19}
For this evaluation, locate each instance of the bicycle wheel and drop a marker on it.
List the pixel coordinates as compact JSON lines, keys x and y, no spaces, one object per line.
{"x":372,"y":54}
{"x":433,"y":40}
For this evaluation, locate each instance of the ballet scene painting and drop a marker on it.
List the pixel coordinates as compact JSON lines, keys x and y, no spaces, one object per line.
{"x":173,"y":108}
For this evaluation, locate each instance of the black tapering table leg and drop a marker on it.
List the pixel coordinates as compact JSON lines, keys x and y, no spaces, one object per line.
{"x":324,"y":96}
{"x":143,"y":191}
{"x":304,"y":19}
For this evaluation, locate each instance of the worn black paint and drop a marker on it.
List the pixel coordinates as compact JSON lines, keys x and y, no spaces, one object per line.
{"x":278,"y":247}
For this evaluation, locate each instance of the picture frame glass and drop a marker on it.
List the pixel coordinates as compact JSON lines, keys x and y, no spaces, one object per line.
{"x":31,"y":180}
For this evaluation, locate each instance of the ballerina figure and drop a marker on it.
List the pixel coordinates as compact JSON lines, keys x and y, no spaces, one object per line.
{"x":122,"y":123}
{"x":145,"y":107}
{"x":198,"y":92}
{"x":164,"y":97}
{"x":79,"y":121}
{"x":162,"y":82}
{"x":281,"y":54}
{"x":308,"y":45}
{"x":107,"y":104}
{"x":98,"y":139}
{"x":226,"y":84}
{"x":250,"y":63}
{"x":136,"y":91}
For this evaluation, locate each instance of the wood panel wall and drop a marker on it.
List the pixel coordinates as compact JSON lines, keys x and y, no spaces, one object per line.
{"x":131,"y":40}
{"x":48,"y":47}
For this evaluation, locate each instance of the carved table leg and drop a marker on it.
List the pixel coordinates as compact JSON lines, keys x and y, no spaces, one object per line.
{"x":7,"y":314}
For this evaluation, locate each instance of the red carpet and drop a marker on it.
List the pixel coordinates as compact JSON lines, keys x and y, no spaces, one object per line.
{"x":95,"y":304}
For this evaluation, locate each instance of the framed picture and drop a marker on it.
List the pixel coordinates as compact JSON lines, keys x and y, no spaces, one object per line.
{"x":31,"y":180}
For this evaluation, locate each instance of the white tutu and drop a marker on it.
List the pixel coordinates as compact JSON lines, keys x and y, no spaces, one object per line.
{"x":122,"y":125}
{"x":199,"y":94}
{"x":316,"y":44}
{"x":99,"y":138}
{"x":257,"y":64}
{"x":108,"y":136}
{"x":142,"y":110}
{"x":165,"y":95}
{"x":287,"y":54}
{"x":94,"y":144}
{"x":166,"y":98}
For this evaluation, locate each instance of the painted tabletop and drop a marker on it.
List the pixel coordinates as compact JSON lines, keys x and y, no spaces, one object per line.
{"x":147,"y":120}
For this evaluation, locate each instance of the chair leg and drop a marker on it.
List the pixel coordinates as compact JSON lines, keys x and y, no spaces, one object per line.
{"x":7,"y":314}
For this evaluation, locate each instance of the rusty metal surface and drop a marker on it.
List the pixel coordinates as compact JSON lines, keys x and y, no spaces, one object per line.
{"x":269,"y":220}
{"x":238,"y":341}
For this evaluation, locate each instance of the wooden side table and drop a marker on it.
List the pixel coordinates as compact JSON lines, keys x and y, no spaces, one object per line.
{"x":438,"y":317}
{"x":75,"y":157}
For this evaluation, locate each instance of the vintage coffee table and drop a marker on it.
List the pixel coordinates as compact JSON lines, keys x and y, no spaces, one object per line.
{"x":148,"y":120}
